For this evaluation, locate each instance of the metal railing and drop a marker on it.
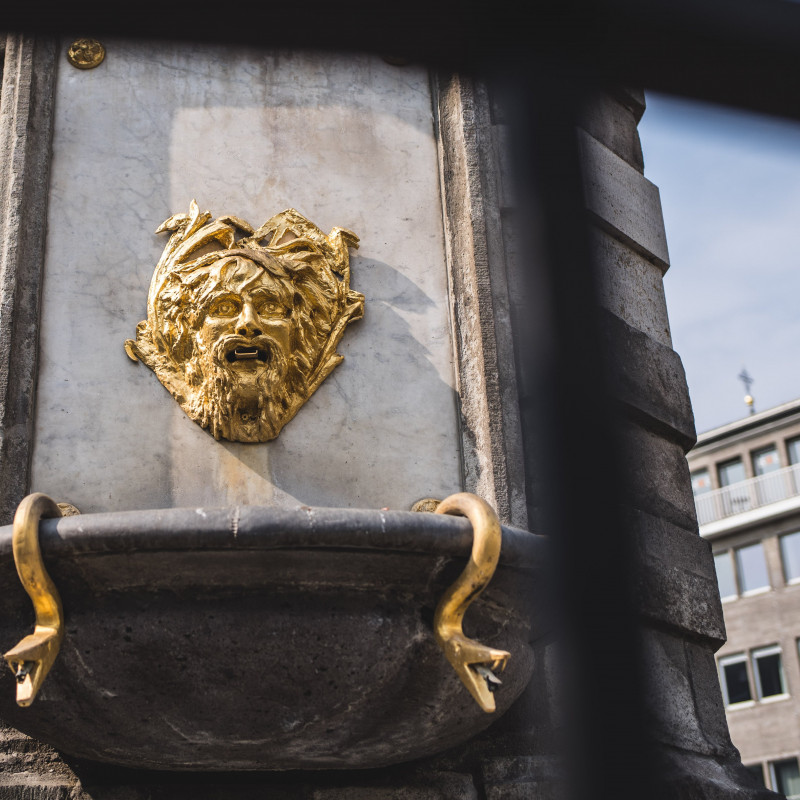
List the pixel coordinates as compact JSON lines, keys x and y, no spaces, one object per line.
{"x":747,"y":495}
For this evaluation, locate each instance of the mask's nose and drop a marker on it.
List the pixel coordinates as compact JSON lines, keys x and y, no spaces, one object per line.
{"x":247,"y":324}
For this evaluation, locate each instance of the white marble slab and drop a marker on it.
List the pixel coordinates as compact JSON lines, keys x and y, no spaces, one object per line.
{"x":347,"y":141}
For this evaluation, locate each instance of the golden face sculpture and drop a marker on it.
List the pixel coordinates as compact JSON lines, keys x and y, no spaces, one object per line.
{"x":242,"y":331}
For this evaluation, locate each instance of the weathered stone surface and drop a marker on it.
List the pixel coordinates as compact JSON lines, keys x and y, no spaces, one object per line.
{"x":614,"y":124}
{"x":528,"y":725}
{"x":649,"y":377}
{"x":486,"y":379}
{"x":441,"y":786}
{"x":22,"y":758}
{"x":708,"y":695}
{"x":623,"y":200}
{"x":630,"y":286}
{"x":656,"y":476}
{"x":675,"y":578}
{"x":26,"y":122}
{"x":672,"y":697}
{"x":524,"y":790}
{"x":632,"y":98}
{"x":526,"y":777}
{"x":414,"y":784}
{"x":33,"y":787}
{"x":684,"y":775}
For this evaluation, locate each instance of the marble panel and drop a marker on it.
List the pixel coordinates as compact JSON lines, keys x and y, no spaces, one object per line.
{"x":348,"y":141}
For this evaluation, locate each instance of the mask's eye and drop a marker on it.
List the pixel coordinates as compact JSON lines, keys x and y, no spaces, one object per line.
{"x":225,"y":308}
{"x":270,"y":308}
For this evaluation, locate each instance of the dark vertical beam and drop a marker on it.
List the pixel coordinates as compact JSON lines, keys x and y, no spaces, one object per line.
{"x":578,"y":453}
{"x":26,"y":127}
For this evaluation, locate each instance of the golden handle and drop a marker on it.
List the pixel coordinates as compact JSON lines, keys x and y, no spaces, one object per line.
{"x":32,"y":658}
{"x":472,"y":661}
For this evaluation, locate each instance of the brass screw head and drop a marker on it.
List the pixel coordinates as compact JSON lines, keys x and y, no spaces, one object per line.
{"x":86,"y":53}
{"x":426,"y":504}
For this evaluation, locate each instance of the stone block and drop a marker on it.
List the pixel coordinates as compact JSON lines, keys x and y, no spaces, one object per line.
{"x":675,"y":579}
{"x":16,"y":788}
{"x":708,"y":697}
{"x":630,"y":286}
{"x":614,"y":124}
{"x":624,"y":202}
{"x":451,"y":787}
{"x":632,"y":98}
{"x":416,"y":785}
{"x":520,"y":768}
{"x":692,"y":776}
{"x":656,"y":476}
{"x":649,"y":377}
{"x":530,"y":777}
{"x":671,"y":697}
{"x":528,"y":790}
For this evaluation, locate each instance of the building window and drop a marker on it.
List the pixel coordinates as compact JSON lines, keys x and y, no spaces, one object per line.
{"x":768,"y":673}
{"x":733,"y":679}
{"x":766,"y":460}
{"x":725,"y":576}
{"x":731,"y":472}
{"x":793,"y":449}
{"x":752,"y":568}
{"x":750,"y":575}
{"x":771,"y":484}
{"x":701,"y":482}
{"x":790,"y":553}
{"x":735,"y":494}
{"x":786,"y":778}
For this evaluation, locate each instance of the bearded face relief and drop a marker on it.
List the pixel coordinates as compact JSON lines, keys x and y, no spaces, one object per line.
{"x":242,"y":331}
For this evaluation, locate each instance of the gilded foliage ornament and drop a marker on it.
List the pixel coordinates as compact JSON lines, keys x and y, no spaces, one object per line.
{"x":242,"y":325}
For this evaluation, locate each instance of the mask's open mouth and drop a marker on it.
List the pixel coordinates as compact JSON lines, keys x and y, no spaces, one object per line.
{"x":247,"y":354}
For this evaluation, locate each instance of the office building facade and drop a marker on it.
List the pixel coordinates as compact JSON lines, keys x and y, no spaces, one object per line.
{"x":746,"y":481}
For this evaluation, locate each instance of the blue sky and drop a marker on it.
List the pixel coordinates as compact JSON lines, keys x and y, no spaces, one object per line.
{"x":730,"y":191}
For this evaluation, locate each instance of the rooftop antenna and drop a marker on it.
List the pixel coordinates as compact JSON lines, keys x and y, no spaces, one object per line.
{"x":745,"y":378}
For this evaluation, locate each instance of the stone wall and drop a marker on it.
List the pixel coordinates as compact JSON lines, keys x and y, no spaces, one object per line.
{"x":675,"y":580}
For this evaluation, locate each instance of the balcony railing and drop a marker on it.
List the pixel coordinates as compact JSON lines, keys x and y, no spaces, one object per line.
{"x":747,"y":495}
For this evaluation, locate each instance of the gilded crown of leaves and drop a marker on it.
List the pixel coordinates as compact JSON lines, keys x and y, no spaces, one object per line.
{"x":288,"y":235}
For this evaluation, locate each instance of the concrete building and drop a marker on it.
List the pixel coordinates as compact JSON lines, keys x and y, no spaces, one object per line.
{"x":746,"y":480}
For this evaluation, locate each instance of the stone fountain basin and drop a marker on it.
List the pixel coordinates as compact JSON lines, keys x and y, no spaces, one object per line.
{"x":254,"y":638}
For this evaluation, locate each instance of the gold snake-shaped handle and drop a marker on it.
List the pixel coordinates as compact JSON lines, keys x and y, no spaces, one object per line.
{"x":472,"y":661}
{"x":32,"y":658}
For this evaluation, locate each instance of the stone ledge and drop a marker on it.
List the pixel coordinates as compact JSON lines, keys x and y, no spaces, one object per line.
{"x":612,"y":122}
{"x":632,"y":98}
{"x":630,"y":286}
{"x":648,"y":376}
{"x":675,"y":581}
{"x":672,"y":691}
{"x":656,"y":476}
{"x":14,"y":787}
{"x":690,"y":776}
{"x":530,"y":777}
{"x":624,"y":202}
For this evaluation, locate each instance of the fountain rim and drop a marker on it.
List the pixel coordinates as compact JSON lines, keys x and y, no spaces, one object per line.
{"x":241,"y":528}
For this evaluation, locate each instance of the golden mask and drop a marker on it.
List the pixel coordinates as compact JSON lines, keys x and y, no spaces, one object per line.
{"x":242,"y":331}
